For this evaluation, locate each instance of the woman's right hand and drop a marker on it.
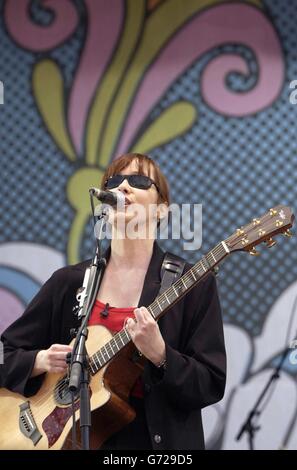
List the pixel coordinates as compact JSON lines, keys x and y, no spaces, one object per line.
{"x":52,"y":360}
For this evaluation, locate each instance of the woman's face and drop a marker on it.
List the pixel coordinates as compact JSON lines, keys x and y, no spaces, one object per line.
{"x":140,"y":211}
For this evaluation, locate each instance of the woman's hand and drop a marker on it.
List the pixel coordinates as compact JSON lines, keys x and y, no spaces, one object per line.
{"x":146,"y":336}
{"x":52,"y":359}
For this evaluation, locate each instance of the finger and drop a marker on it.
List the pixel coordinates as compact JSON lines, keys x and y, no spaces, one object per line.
{"x":130,"y":323}
{"x":146,"y":313}
{"x":59,"y":364}
{"x":57,"y":370}
{"x":130,"y":327}
{"x":58,"y":356}
{"x":139,"y":315}
{"x":61,"y":347}
{"x":136,"y":312}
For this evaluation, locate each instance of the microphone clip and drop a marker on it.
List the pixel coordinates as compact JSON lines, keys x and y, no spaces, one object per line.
{"x":105,"y":311}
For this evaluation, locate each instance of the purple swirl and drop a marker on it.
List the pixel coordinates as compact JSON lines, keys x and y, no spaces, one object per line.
{"x":217,"y":26}
{"x":11,"y":308}
{"x":40,"y":38}
{"x":105,"y":20}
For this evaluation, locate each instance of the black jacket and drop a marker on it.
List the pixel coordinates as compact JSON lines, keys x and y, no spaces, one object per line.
{"x":193,"y":333}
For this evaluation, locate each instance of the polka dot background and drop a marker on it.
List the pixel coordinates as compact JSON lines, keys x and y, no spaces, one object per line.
{"x":237,"y":168}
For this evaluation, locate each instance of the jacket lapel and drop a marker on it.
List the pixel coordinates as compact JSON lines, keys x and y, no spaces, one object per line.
{"x":152,"y":281}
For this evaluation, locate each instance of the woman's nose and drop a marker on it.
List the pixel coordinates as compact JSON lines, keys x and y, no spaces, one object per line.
{"x":124,"y":186}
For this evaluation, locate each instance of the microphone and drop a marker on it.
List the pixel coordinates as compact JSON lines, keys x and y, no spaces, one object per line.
{"x":108,"y":197}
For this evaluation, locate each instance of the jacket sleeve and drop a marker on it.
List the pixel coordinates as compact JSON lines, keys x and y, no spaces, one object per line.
{"x":23,"y":339}
{"x":195,"y":374}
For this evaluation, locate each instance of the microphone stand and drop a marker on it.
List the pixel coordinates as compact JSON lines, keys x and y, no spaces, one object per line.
{"x":248,"y":426}
{"x":79,"y":377}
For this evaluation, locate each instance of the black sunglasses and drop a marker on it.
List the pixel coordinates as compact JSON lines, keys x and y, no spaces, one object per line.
{"x":135,"y":181}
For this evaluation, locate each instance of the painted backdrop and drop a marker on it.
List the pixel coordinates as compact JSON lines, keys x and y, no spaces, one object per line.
{"x":201,"y":85}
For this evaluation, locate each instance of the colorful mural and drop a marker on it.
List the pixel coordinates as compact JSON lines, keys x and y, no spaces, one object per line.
{"x":203,"y":86}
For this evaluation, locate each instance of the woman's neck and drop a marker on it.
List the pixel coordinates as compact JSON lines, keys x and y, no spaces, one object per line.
{"x":136,"y":253}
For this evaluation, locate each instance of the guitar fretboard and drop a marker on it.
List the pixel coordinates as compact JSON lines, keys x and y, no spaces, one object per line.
{"x":161,"y":304}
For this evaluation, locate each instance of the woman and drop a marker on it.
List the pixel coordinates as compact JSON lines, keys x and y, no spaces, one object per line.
{"x":185,"y":367}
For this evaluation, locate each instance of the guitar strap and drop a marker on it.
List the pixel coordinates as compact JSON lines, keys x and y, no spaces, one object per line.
{"x":171,"y":270}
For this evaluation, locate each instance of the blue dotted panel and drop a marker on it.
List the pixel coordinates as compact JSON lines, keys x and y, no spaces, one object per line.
{"x":237,"y":168}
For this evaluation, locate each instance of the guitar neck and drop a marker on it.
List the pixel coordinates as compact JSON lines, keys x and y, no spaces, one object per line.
{"x":183,"y":285}
{"x":161,"y":304}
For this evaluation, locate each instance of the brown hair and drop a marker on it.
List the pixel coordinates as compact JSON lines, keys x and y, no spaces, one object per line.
{"x":146,"y":166}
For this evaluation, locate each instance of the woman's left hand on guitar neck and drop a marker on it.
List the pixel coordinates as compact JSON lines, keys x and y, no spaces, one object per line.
{"x":146,"y":335}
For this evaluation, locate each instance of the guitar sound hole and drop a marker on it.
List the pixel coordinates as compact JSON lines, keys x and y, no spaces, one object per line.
{"x":62,"y":394}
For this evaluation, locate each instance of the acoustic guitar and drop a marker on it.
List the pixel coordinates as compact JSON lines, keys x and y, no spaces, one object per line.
{"x":44,"y":421}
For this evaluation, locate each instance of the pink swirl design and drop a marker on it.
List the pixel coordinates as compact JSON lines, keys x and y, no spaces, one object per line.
{"x":105,"y":20}
{"x":40,"y":38}
{"x":224,"y":24}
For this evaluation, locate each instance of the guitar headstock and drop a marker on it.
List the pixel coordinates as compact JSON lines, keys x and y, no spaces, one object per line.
{"x":278,"y":220}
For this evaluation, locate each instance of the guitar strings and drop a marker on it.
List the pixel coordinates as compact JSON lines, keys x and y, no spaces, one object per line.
{"x":165,"y":296}
{"x":180,"y":283}
{"x":185,"y":278}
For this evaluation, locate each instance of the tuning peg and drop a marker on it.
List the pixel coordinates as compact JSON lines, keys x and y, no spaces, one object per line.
{"x":244,"y":241}
{"x":273,"y":212}
{"x":240,"y":231}
{"x":288,"y":233}
{"x":270,"y":242}
{"x":254,"y":252}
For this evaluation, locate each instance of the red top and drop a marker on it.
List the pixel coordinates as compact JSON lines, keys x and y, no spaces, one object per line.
{"x":115,"y":321}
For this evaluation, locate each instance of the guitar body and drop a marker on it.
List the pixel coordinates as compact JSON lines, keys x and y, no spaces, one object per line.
{"x":44,"y":421}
